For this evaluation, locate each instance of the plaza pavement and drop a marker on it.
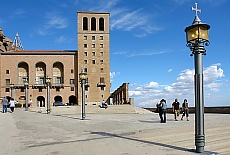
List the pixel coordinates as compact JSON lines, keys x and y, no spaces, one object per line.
{"x":114,"y":132}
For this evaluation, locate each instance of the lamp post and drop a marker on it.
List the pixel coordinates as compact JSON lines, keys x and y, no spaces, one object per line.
{"x":82,"y":77}
{"x":48,"y":82}
{"x":197,"y":38}
{"x":26,"y":84}
{"x":11,"y":90}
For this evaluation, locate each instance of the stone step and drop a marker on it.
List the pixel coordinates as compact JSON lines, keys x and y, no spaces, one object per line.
{"x":91,"y":109}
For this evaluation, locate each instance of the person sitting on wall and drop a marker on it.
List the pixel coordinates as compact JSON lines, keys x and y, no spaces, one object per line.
{"x":103,"y":104}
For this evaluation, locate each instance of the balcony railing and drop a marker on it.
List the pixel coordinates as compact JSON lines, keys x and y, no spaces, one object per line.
{"x":55,"y":85}
{"x":100,"y":84}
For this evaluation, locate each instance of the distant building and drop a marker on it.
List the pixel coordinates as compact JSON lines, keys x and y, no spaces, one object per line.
{"x":63,"y":67}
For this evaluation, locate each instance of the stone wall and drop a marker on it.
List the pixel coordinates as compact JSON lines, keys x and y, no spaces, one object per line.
{"x":220,"y":110}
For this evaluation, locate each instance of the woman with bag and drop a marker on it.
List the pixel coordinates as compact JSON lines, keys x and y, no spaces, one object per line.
{"x":185,"y":110}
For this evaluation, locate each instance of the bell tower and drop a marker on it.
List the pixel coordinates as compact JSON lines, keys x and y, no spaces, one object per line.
{"x":94,"y":55}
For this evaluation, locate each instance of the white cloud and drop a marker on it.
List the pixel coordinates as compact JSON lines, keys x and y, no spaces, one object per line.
{"x":55,"y":21}
{"x":151,"y":85}
{"x":113,"y":74}
{"x":170,"y":70}
{"x":20,"y":12}
{"x":142,"y":53}
{"x":126,"y":19}
{"x":147,"y":94}
{"x":60,"y":39}
{"x":149,"y":103}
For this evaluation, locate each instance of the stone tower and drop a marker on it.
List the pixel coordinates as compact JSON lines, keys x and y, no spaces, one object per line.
{"x":94,"y":55}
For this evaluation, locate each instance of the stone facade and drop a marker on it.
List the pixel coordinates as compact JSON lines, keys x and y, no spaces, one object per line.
{"x":94,"y":54}
{"x":35,"y":66}
{"x":63,"y":67}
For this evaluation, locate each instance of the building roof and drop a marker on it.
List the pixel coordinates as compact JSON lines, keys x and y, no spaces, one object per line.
{"x":93,"y":12}
{"x":39,"y":52}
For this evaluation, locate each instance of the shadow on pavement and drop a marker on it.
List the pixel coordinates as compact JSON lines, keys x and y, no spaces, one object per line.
{"x":149,"y":142}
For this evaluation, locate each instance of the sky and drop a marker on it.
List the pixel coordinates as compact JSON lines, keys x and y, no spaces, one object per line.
{"x":147,"y":43}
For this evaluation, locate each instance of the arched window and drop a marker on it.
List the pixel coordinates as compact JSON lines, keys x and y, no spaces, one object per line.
{"x":58,"y":73}
{"x":40,"y":73}
{"x":101,"y":24}
{"x":23,"y":72}
{"x":93,"y":24}
{"x":85,"y":23}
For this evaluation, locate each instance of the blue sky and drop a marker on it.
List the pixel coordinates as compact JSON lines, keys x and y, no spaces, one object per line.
{"x":147,"y":42}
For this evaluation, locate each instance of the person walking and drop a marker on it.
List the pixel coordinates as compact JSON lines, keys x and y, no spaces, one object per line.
{"x":31,"y":103}
{"x":159,"y":109}
{"x":4,"y":105}
{"x":164,"y":109}
{"x":12,"y":104}
{"x":185,"y":109}
{"x":176,"y":109}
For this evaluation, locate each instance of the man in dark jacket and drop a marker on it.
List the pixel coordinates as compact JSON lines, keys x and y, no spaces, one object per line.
{"x":176,"y":109}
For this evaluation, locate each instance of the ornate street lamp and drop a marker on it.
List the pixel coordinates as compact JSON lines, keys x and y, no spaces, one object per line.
{"x":197,"y":37}
{"x":48,"y":83}
{"x":26,"y":84}
{"x":11,"y":90}
{"x":82,"y":77}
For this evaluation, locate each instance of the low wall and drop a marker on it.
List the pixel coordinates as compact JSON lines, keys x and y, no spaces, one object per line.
{"x":219,"y":110}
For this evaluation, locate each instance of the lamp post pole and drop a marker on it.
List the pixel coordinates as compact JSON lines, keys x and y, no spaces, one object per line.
{"x":26,"y":84}
{"x":197,"y":37}
{"x":12,"y":89}
{"x":48,"y":81}
{"x":82,"y":77}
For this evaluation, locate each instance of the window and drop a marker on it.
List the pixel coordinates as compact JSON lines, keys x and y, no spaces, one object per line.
{"x":42,"y":81}
{"x":85,"y":45}
{"x":102,"y":88}
{"x":85,"y":69}
{"x":93,"y":53}
{"x":93,"y":24}
{"x":93,"y":45}
{"x":7,"y":89}
{"x":85,"y":23}
{"x":40,"y":90}
{"x":85,"y":53}
{"x":101,"y":54}
{"x":101,"y":45}
{"x":93,"y":37}
{"x":86,"y":96}
{"x":58,"y":80}
{"x":101,"y":61}
{"x":101,"y":24}
{"x":72,"y":89}
{"x":102,"y":80}
{"x":7,"y":71}
{"x":7,"y":81}
{"x":71,"y":81}
{"x":71,"y":71}
{"x":57,"y":89}
{"x":85,"y":61}
{"x":93,"y":61}
{"x":101,"y":37}
{"x":85,"y":37}
{"x":22,"y":90}
{"x":102,"y":70}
